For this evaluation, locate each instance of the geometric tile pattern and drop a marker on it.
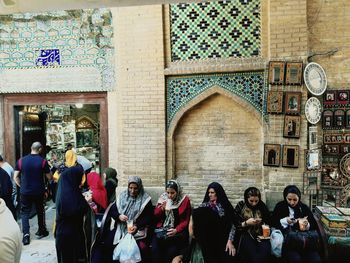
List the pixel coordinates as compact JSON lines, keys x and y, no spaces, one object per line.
{"x":250,"y":86}
{"x":216,"y":29}
{"x":83,"y":38}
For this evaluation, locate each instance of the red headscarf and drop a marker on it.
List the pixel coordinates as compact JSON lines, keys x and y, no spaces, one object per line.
{"x":99,"y":193}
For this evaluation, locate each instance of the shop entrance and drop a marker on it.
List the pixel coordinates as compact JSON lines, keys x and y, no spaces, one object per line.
{"x":57,"y":121}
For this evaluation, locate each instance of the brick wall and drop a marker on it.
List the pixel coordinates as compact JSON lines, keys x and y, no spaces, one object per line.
{"x":139,"y":111}
{"x":329,"y":29}
{"x":218,"y":140}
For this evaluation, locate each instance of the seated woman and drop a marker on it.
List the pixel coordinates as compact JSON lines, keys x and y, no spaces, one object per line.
{"x":252,"y":213}
{"x":214,"y":226}
{"x":132,"y":204}
{"x":172,"y":214}
{"x":291,"y":214}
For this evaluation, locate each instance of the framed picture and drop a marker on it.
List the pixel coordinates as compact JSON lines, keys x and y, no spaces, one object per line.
{"x":339,"y":119}
{"x":294,"y":71}
{"x":311,"y":182}
{"x":276,"y":72}
{"x":344,"y":148}
{"x":327,"y":119}
{"x":275,"y":102}
{"x":313,"y":137}
{"x":272,"y":153}
{"x":342,"y":97}
{"x":292,"y":103}
{"x":329,"y":98}
{"x":290,"y":156}
{"x":347,"y":119}
{"x":291,"y":126}
{"x":331,"y":149}
{"x":85,"y":137}
{"x":313,"y":159}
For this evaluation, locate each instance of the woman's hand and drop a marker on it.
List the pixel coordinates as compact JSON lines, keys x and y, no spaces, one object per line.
{"x":291,"y":220}
{"x":132,"y":230}
{"x":162,"y":206}
{"x":252,"y":222}
{"x":171,"y":232}
{"x":123,"y":218}
{"x":230,"y":248}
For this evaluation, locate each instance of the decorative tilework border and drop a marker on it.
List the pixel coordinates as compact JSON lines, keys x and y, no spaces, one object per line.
{"x":250,"y":86}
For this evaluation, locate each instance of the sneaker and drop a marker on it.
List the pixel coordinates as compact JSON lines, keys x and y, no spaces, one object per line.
{"x":26,"y":239}
{"x":41,"y":234}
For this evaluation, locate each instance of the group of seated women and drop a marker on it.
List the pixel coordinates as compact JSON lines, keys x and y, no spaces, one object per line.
{"x":214,"y":232}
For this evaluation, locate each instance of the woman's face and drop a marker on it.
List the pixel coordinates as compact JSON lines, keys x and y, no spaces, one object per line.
{"x":171,"y":193}
{"x":133,"y":189}
{"x":212,"y":195}
{"x":253,"y":200}
{"x":292,"y":199}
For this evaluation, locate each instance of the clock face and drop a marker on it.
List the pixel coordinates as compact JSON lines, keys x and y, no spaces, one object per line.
{"x":315,"y":79}
{"x":313,"y":110}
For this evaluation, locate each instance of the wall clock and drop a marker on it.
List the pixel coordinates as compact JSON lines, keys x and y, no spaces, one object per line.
{"x":315,"y":79}
{"x":313,"y":110}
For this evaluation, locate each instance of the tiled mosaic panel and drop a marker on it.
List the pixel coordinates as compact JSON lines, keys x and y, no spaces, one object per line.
{"x":217,"y":29}
{"x":83,"y":38}
{"x":250,"y":86}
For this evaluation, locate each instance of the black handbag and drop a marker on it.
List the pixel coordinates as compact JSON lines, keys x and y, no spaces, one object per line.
{"x":302,"y":240}
{"x":161,"y":233}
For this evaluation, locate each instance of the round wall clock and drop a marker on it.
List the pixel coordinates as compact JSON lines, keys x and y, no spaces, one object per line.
{"x":313,"y":110}
{"x":315,"y":79}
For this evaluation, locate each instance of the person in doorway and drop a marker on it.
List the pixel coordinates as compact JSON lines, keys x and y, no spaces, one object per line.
{"x":253,"y":213}
{"x":70,"y":210}
{"x":292,"y":215}
{"x":172,"y":215}
{"x":10,"y":236}
{"x":29,"y":176}
{"x":111,"y":183}
{"x":6,"y":190}
{"x":10,"y":171}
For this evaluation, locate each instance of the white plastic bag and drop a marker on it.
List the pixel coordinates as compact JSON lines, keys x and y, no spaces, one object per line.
{"x":276,"y":240}
{"x":127,"y":250}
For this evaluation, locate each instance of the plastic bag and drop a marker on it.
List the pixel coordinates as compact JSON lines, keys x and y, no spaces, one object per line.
{"x":127,"y":250}
{"x":276,"y":240}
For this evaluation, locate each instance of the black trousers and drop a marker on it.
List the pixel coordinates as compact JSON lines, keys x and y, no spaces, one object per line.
{"x":293,"y":256}
{"x":252,"y":251}
{"x":26,"y":206}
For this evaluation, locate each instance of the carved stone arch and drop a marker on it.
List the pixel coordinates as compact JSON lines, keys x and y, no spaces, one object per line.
{"x":171,"y":158}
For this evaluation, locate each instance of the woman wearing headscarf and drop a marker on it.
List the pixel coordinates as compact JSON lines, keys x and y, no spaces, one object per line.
{"x":99,"y":193}
{"x":252,"y":213}
{"x":214,"y":226}
{"x":289,"y":215}
{"x":172,"y":215}
{"x":111,"y":183}
{"x":70,"y":209}
{"x":131,"y":204}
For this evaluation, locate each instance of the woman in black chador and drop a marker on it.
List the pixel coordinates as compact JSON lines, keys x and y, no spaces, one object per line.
{"x":292,"y":215}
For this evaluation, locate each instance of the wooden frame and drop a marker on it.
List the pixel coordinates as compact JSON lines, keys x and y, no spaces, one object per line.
{"x":291,"y":126}
{"x":327,"y":119}
{"x":276,"y":72}
{"x":294,"y":72}
{"x":313,"y":137}
{"x":329,"y":98}
{"x":272,"y":153}
{"x":292,"y":103}
{"x":311,"y":182}
{"x":331,"y":149}
{"x":342,"y":97}
{"x":290,"y":156}
{"x":339,"y":119}
{"x":313,"y":160}
{"x":275,"y":102}
{"x":344,"y":148}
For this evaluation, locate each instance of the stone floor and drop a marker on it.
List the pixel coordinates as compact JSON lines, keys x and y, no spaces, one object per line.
{"x":43,"y":250}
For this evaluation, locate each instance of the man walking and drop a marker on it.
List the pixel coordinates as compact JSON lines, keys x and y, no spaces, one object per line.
{"x":29,"y":176}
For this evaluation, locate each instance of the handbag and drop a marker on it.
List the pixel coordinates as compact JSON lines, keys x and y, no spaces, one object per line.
{"x":302,"y":240}
{"x":141,"y":234}
{"x":161,"y":233}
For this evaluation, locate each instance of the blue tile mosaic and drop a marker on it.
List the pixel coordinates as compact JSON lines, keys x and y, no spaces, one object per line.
{"x":216,"y":29}
{"x":250,"y":86}
{"x":48,"y":57}
{"x":59,"y":39}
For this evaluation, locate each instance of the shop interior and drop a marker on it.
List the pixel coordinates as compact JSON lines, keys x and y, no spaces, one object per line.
{"x":57,"y":126}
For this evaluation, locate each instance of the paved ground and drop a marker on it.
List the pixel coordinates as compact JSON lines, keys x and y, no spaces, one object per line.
{"x":43,"y":250}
